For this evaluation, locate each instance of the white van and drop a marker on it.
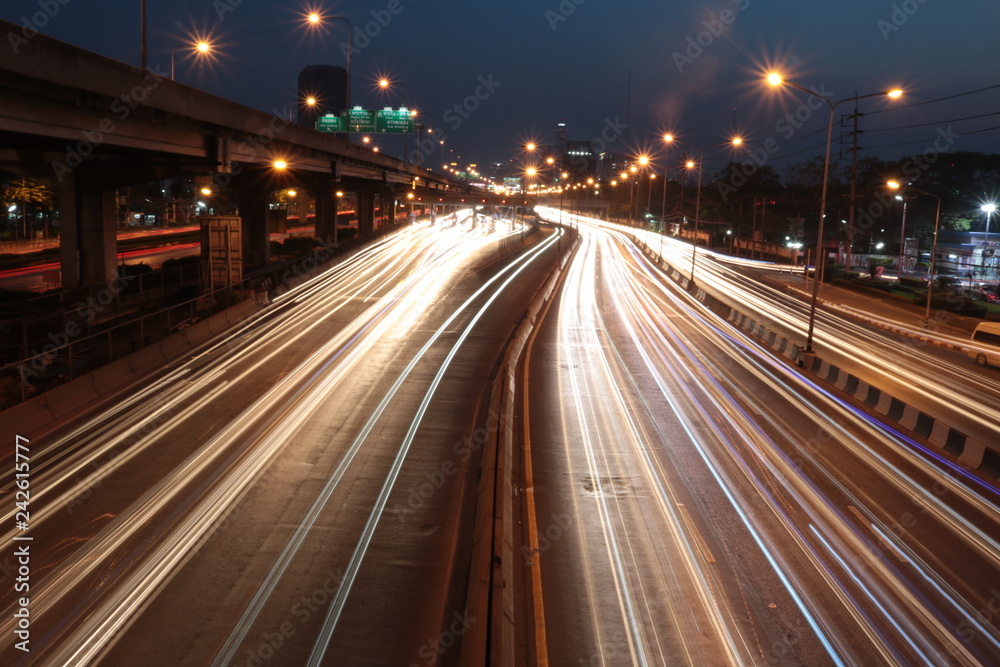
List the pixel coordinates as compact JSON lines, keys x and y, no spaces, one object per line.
{"x":987,"y":335}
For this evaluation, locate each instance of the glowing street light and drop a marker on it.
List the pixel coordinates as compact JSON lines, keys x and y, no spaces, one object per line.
{"x":896,"y":185}
{"x":775,"y":79}
{"x":315,"y":21}
{"x":200,"y":48}
{"x":690,"y":164}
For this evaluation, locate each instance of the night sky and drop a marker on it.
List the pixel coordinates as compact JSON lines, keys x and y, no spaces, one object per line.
{"x":695,"y":67}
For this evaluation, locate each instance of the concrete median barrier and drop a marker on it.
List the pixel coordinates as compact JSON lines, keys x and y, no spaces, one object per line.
{"x":110,"y":377}
{"x":71,"y":396}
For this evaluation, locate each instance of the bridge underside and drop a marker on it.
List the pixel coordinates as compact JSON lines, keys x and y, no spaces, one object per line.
{"x":90,"y":125}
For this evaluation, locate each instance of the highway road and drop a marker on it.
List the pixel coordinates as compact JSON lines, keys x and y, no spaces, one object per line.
{"x":937,"y":381}
{"x":298,"y":492}
{"x":696,"y":501}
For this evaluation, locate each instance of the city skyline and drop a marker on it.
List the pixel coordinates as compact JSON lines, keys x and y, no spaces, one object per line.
{"x":691,"y":69}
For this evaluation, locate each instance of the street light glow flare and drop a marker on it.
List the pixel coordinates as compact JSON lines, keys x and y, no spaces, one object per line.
{"x":643,"y":160}
{"x":689,"y":164}
{"x":203,"y":47}
{"x":280,"y":164}
{"x":989,"y":208}
{"x":894,"y":185}
{"x":896,"y":92}
{"x":775,"y":79}
{"x":737,"y":141}
{"x":530,"y":147}
{"x":314,"y":18}
{"x":668,"y":137}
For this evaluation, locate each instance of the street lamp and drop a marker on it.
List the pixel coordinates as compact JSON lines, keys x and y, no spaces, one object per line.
{"x":902,"y":239}
{"x":315,"y":20}
{"x":895,"y":185}
{"x":200,"y":48}
{"x":690,"y":164}
{"x":988,"y":209}
{"x":774,"y":79}
{"x":308,"y":102}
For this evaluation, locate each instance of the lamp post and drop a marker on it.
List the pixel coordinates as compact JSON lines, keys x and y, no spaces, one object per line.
{"x":200,"y":48}
{"x":895,"y":185}
{"x":988,"y":209}
{"x":902,"y":238}
{"x":775,"y":80}
{"x":315,"y":19}
{"x":669,"y":138}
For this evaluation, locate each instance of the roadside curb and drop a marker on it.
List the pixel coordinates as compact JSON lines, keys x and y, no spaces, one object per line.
{"x":970,"y":452}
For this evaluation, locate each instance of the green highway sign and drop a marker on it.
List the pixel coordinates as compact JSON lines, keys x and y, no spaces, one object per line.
{"x":361,"y":120}
{"x":394,"y":121}
{"x":331,"y":123}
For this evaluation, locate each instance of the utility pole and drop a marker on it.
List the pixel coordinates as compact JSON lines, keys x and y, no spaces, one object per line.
{"x":855,"y":117}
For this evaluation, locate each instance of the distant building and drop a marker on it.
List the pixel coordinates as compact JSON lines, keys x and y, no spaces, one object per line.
{"x":965,"y":254}
{"x":326,"y":83}
{"x":561,"y":137}
{"x":580,"y":159}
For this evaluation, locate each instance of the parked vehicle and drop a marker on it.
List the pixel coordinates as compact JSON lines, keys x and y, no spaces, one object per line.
{"x":987,"y":339}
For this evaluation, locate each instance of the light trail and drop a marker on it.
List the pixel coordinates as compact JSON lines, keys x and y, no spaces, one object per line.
{"x":748,"y":448}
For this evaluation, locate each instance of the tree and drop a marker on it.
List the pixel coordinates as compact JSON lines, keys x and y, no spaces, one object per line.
{"x":25,"y":193}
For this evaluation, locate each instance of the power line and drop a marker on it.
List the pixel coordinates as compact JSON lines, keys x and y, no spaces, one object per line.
{"x":940,"y":99}
{"x":933,"y":139}
{"x":941,"y":122}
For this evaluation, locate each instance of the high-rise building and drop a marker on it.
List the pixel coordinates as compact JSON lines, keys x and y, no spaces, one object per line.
{"x":328,"y":85}
{"x":561,"y":137}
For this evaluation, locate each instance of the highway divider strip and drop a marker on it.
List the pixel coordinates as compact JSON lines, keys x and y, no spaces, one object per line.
{"x":970,"y":452}
{"x":492,"y":579}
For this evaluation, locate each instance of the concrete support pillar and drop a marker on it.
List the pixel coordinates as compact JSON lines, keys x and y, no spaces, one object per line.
{"x":88,"y":244}
{"x":433,"y":214}
{"x":255,"y":227}
{"x":326,"y":216}
{"x":366,"y":212}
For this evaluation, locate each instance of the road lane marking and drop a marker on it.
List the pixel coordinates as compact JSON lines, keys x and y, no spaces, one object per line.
{"x":699,"y":540}
{"x":878,"y":534}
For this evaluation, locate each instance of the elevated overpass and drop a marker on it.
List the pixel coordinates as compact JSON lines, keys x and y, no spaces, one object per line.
{"x":93,"y":124}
